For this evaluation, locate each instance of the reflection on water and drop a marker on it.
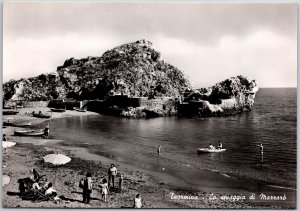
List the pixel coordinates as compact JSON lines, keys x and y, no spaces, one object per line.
{"x":135,"y":141}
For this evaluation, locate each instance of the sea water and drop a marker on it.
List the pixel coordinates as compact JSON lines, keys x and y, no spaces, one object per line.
{"x":272,"y":122}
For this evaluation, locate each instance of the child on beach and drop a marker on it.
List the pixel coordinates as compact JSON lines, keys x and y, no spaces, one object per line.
{"x":137,"y":201}
{"x":121,"y":182}
{"x":104,"y":189}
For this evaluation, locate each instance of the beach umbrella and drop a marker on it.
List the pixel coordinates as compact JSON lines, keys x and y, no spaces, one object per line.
{"x":6,"y":144}
{"x":5,"y":180}
{"x":57,"y":159}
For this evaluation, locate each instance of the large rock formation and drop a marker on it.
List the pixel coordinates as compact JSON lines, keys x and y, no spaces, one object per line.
{"x":231,"y":96}
{"x":42,"y":87}
{"x":134,"y":70}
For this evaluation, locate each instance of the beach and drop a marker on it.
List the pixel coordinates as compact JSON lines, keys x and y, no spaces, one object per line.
{"x":156,"y":191}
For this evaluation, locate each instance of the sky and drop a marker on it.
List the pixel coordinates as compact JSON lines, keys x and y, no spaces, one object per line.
{"x":209,"y":42}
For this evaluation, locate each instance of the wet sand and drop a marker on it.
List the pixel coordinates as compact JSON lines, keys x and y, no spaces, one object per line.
{"x":155,"y":189}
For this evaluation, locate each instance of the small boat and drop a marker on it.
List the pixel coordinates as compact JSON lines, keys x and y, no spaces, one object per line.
{"x":79,"y":110}
{"x":17,"y":124}
{"x":41,"y":115}
{"x":58,"y":109}
{"x":29,"y":133}
{"x":10,"y":112}
{"x":207,"y":150}
{"x":8,"y":107}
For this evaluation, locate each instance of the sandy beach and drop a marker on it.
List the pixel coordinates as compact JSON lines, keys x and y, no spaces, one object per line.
{"x":155,"y":191}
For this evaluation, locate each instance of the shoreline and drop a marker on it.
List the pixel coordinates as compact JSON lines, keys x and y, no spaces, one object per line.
{"x":155,"y":193}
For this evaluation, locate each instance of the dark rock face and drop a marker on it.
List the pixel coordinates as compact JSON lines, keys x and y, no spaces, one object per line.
{"x":133,"y":69}
{"x":42,"y":87}
{"x":231,"y":96}
{"x":136,"y":74}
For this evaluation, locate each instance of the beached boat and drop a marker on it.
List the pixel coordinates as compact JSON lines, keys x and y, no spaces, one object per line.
{"x":10,"y":112}
{"x":29,"y":133}
{"x":17,"y":124}
{"x":58,"y":109}
{"x":41,"y":115}
{"x":207,"y":150}
{"x":8,"y":107}
{"x":79,"y":110}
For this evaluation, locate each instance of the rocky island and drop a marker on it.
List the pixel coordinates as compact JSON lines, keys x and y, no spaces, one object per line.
{"x":132,"y":80}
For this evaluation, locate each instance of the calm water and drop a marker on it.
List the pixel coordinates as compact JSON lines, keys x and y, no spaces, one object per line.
{"x":135,"y":141}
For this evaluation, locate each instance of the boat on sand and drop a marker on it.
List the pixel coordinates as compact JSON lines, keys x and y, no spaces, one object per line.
{"x":79,"y":110}
{"x":58,"y":109}
{"x":17,"y":124}
{"x":29,"y":133}
{"x":10,"y":112}
{"x":41,"y":115}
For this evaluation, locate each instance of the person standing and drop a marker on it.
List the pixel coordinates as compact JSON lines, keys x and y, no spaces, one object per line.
{"x":4,"y":137}
{"x":261,"y":149}
{"x":46,"y":132}
{"x":87,"y":188}
{"x":158,"y":150}
{"x":137,"y":201}
{"x":112,"y":173}
{"x":121,"y":182}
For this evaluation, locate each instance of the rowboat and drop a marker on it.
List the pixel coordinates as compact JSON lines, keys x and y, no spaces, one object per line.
{"x":17,"y":124}
{"x":79,"y":110}
{"x":8,"y":107}
{"x":29,"y":133}
{"x":41,"y":115}
{"x":207,"y":150}
{"x":10,"y":112}
{"x":58,"y":109}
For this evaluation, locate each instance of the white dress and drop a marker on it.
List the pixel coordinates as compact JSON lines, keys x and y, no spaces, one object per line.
{"x":137,"y":203}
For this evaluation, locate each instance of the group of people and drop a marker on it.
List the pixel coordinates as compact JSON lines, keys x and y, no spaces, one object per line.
{"x":87,"y":186}
{"x":38,"y":183}
{"x":220,"y":146}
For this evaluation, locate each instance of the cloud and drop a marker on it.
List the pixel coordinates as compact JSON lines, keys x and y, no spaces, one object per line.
{"x":209,"y":42}
{"x":265,"y":56}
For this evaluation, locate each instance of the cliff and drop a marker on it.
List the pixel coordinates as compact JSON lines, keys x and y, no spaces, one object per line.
{"x":136,"y":73}
{"x":134,"y":69}
{"x":42,"y":87}
{"x":234,"y":95}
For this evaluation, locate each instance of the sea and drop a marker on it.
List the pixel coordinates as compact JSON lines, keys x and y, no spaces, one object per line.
{"x":134,"y":142}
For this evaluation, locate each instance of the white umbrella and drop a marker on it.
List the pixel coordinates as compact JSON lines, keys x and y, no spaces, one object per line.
{"x":6,"y":144}
{"x":5,"y":180}
{"x":57,"y":159}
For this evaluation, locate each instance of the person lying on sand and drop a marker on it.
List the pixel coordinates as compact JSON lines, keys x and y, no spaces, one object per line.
{"x":36,"y":185}
{"x":50,"y":190}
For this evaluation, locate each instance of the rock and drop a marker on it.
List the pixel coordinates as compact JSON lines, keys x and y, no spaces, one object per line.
{"x":140,"y":80}
{"x":231,"y":96}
